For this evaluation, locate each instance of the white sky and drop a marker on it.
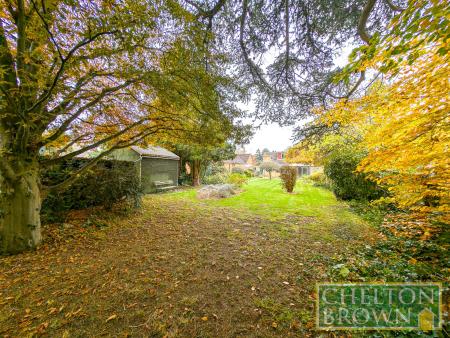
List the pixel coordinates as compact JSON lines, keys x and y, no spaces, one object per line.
{"x":277,"y":138}
{"x":272,"y":137}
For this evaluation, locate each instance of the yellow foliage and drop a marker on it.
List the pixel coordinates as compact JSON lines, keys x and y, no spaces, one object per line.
{"x":406,"y":132}
{"x":300,"y":153}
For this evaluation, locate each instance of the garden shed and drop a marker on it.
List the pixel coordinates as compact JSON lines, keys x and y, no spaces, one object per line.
{"x":157,"y":167}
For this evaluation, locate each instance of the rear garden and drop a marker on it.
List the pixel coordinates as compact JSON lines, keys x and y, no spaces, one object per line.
{"x":245,"y":266}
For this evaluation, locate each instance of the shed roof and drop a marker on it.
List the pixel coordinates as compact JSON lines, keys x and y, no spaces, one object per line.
{"x":156,"y":152}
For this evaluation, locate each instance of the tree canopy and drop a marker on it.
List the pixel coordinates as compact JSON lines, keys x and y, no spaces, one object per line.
{"x":284,"y":51}
{"x":82,"y":75}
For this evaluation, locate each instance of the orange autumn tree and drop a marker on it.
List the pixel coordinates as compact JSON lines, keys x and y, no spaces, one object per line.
{"x":406,"y":122}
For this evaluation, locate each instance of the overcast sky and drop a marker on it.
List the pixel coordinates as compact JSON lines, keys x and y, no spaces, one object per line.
{"x":277,"y":138}
{"x":272,"y":137}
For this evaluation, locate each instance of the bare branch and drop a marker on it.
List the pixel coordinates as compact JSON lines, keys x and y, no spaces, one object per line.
{"x":362,"y":77}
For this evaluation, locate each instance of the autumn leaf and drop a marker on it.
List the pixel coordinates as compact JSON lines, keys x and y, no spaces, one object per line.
{"x":114,"y":316}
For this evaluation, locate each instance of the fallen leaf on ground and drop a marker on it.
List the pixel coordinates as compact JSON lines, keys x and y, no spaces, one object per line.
{"x":111,"y":318}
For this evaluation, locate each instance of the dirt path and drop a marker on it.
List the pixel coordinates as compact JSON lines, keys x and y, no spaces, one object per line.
{"x":176,"y":269}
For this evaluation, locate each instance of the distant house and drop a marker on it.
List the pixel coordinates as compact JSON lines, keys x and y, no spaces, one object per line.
{"x":273,"y":156}
{"x":243,"y":161}
{"x":157,"y":167}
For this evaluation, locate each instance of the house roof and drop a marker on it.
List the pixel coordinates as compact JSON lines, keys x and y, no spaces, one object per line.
{"x":156,"y":152}
{"x":244,"y":157}
{"x":239,"y":159}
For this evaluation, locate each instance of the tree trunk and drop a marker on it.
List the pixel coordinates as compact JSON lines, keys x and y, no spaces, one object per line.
{"x":20,"y":204}
{"x":195,"y":173}
{"x":270,"y":175}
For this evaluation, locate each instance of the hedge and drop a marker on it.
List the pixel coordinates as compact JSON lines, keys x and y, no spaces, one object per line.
{"x":346,"y":182}
{"x":104,"y":184}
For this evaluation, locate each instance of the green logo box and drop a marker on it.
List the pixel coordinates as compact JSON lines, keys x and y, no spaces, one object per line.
{"x":382,"y":306}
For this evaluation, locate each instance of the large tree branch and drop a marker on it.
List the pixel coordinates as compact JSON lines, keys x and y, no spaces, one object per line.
{"x":362,"y":30}
{"x":96,"y":144}
{"x":70,"y":100}
{"x":47,"y":93}
{"x":65,"y":125}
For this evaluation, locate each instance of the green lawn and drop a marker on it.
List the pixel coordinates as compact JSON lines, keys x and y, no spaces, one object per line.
{"x":267,"y":198}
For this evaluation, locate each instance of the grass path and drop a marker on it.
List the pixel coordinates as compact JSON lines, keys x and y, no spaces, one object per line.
{"x":183,"y":268}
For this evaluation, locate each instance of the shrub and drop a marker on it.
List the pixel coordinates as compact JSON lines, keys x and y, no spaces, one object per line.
{"x":237,"y":170}
{"x":288,"y":177}
{"x":184,"y":179}
{"x":249,"y":173}
{"x":105,"y":184}
{"x":217,"y":178}
{"x":319,"y":179}
{"x":237,"y":179}
{"x":346,"y":183}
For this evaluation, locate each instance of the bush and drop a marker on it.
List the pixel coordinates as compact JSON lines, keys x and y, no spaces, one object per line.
{"x":237,"y":170}
{"x":105,"y":184}
{"x":237,"y":179}
{"x":319,"y":179}
{"x":345,"y":182}
{"x":184,"y":179}
{"x":288,"y":177}
{"x":249,"y":173}
{"x":217,"y":178}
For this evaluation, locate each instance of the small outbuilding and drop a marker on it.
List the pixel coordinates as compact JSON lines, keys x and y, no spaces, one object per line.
{"x":306,"y":169}
{"x":157,"y":167}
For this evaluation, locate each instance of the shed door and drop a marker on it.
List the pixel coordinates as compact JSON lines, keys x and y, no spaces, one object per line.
{"x":155,"y":169}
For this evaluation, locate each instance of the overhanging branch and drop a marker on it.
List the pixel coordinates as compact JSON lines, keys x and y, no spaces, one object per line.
{"x":362,"y":30}
{"x":47,"y":93}
{"x":90,"y":104}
